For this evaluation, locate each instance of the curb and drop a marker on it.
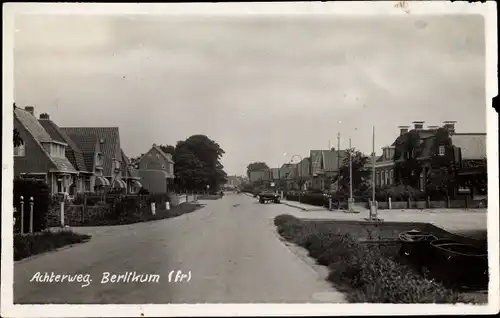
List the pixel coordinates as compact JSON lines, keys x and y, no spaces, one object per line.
{"x":294,"y":206}
{"x":51,"y":251}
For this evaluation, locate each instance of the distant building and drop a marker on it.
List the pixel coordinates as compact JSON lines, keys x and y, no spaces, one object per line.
{"x":156,"y":169}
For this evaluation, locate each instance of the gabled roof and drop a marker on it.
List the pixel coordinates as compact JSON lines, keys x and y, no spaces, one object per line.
{"x":168,"y":157}
{"x":473,"y":145}
{"x":38,"y":132}
{"x":73,"y":153}
{"x":88,"y":147}
{"x":326,"y":160}
{"x":109,"y":142}
{"x":32,"y":125}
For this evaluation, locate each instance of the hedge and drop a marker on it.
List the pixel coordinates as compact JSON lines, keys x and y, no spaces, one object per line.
{"x":40,"y":192}
{"x":30,"y":244}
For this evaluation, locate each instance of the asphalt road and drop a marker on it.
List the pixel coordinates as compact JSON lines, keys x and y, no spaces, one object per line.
{"x":229,"y":249}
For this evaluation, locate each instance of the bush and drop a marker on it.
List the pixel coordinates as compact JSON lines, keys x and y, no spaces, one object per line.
{"x":285,"y":218}
{"x":30,"y":244}
{"x":39,"y":190}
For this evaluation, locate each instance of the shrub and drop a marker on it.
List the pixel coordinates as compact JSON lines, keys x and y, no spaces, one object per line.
{"x":372,"y":276}
{"x":39,"y":190}
{"x":285,"y":218}
{"x":31,"y":244}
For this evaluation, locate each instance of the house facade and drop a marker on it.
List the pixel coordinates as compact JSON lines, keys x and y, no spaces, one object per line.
{"x":109,"y":166}
{"x":384,"y":167}
{"x":325,"y":165}
{"x":80,"y":182}
{"x":41,"y":156}
{"x":156,"y":170}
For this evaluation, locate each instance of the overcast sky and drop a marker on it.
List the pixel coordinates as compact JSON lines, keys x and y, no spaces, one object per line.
{"x":265,"y":88}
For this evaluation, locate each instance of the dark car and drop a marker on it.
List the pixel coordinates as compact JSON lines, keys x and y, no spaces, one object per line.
{"x":266,"y":196}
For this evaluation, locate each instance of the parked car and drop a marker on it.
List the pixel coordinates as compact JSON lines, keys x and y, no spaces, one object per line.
{"x":266,"y":196}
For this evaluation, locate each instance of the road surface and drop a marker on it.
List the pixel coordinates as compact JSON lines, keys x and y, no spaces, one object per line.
{"x":229,"y":248}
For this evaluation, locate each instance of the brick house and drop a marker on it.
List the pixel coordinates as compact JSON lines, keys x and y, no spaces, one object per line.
{"x":324,"y":167}
{"x":93,"y":159}
{"x":384,"y":167}
{"x":156,"y":170}
{"x":109,"y":151}
{"x":41,"y":156}
{"x":80,"y":182}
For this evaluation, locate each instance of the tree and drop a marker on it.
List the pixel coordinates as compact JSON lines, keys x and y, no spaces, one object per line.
{"x":167,"y":149}
{"x":197,"y":163}
{"x":408,"y":147}
{"x":441,"y":177}
{"x":360,"y":175}
{"x":18,"y":141}
{"x":256,"y":166}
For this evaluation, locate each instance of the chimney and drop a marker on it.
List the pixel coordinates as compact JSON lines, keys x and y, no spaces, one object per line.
{"x":30,"y":109}
{"x":44,"y":116}
{"x":450,"y":125}
{"x":418,"y":125}
{"x":403,"y":129}
{"x":154,"y":145}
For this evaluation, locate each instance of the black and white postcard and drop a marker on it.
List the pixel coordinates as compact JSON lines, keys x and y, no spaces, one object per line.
{"x":256,"y":159}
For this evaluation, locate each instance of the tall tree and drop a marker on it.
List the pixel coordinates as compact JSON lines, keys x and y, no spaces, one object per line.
{"x":256,"y":166}
{"x":360,"y":174}
{"x":197,"y":163}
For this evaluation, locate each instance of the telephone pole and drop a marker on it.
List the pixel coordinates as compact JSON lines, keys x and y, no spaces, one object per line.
{"x":338,"y":169}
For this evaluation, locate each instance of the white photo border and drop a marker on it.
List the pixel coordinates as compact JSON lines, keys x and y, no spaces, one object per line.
{"x":487,"y":10}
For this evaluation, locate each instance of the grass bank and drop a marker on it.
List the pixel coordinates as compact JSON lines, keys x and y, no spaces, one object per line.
{"x":145,"y":216}
{"x":367,"y":273}
{"x":26,"y":245}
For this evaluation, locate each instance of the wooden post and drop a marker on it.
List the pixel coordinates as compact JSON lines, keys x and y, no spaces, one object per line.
{"x":466,"y":201}
{"x":409,"y":203}
{"x":22,"y":215}
{"x":428,"y":202}
{"x":84,"y":207}
{"x":390,"y":203}
{"x":31,"y":214}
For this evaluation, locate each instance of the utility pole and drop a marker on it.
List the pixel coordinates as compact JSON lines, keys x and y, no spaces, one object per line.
{"x":373,"y":207}
{"x":350,"y":176}
{"x":338,"y":169}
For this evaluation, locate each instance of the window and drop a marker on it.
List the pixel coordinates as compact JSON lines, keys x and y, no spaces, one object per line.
{"x":377,"y":180}
{"x":441,"y":150}
{"x":59,"y":185}
{"x":20,"y":151}
{"x":163,"y":166}
{"x":391,"y":176}
{"x":383,"y":177}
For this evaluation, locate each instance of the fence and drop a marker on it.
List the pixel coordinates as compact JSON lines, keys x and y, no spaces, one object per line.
{"x":465,"y":203}
{"x":92,"y":207}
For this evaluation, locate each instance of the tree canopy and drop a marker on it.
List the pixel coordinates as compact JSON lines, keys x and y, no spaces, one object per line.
{"x":256,"y":166}
{"x":197,"y":163}
{"x":360,"y":175}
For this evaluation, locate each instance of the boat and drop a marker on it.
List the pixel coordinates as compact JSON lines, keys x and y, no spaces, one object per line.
{"x":464,"y":264}
{"x":415,"y":244}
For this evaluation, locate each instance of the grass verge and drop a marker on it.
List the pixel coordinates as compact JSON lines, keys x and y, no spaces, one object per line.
{"x":26,"y":245}
{"x":145,"y":216}
{"x":367,"y":273}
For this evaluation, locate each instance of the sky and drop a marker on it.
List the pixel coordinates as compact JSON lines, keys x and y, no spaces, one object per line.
{"x":265,"y":88}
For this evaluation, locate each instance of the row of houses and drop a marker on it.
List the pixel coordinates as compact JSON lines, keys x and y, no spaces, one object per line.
{"x":84,"y":159}
{"x":315,"y":171}
{"x":467,"y":154}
